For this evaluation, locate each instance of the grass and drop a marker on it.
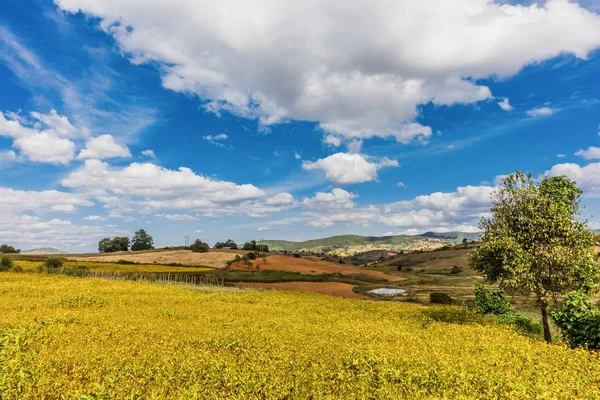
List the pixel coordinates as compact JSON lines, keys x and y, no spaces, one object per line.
{"x":63,"y":337}
{"x":31,"y":266}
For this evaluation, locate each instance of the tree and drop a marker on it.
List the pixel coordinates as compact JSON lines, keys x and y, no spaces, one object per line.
{"x":141,"y":241}
{"x":199,"y":246}
{"x":121,"y":243}
{"x":535,"y":242}
{"x":465,"y":241}
{"x":6,"y":249}
{"x":105,"y":246}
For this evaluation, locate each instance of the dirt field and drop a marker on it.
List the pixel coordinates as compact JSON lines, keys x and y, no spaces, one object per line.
{"x":310,"y":267}
{"x":333,"y":288}
{"x":215,"y":259}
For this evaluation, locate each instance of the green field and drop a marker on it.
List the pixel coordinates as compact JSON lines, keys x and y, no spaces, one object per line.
{"x":63,"y":337}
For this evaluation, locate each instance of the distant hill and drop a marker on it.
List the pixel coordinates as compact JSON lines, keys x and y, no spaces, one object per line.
{"x":353,"y":244}
{"x":44,"y":250}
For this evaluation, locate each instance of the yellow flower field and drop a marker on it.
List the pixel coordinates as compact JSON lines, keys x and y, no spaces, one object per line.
{"x":113,"y":267}
{"x":74,"y":338}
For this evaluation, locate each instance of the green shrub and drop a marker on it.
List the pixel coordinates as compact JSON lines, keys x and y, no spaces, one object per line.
{"x":6,"y":263}
{"x":440,"y":298}
{"x":490,"y":302}
{"x":80,"y":272}
{"x":16,"y":268}
{"x":456,"y":270}
{"x":127,"y":262}
{"x":523,"y":324}
{"x":53,"y":263}
{"x":296,"y":255}
{"x":579,"y":320}
{"x":251,"y":256}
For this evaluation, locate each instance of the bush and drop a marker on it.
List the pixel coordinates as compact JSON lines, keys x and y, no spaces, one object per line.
{"x":53,"y":263}
{"x":456,"y":270}
{"x":491,"y":302}
{"x":440,"y":298}
{"x":17,"y":268}
{"x":80,"y":272}
{"x":199,"y":246}
{"x":523,"y":324}
{"x":579,"y":321}
{"x":6,"y":263}
{"x":296,"y":255}
{"x":251,"y":256}
{"x":8,"y":249}
{"x":127,"y":262}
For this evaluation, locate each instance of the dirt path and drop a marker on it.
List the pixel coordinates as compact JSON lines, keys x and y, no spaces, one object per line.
{"x":333,"y":288}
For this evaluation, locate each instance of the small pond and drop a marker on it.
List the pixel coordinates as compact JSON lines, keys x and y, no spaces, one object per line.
{"x":387,"y":291}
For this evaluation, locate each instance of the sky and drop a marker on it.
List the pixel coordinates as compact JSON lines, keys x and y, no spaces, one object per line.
{"x":286,"y":120}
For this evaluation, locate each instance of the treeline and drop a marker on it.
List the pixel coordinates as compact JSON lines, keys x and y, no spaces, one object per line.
{"x":6,"y":249}
{"x":252,"y":246}
{"x":141,"y":241}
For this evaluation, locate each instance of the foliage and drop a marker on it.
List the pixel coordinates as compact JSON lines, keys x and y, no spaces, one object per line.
{"x":141,"y":241}
{"x":251,"y":256}
{"x":107,"y":245}
{"x":522,"y":324}
{"x":491,"y":302}
{"x":579,"y":320}
{"x":80,"y":272}
{"x":253,"y":246}
{"x":199,"y":246}
{"x":53,"y":263}
{"x":455,"y":315}
{"x":6,"y":263}
{"x":125,"y":262}
{"x":183,"y":343}
{"x":229,"y":243}
{"x":456,"y":270}
{"x":6,"y":249}
{"x":535,"y":242}
{"x":440,"y":298}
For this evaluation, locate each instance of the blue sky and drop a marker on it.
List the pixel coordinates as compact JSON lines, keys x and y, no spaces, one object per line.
{"x":250,"y":119}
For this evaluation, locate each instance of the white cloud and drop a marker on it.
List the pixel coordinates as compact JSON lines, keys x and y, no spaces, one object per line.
{"x":198,"y":231}
{"x":347,"y":168}
{"x":281,"y":199}
{"x":14,"y":201}
{"x":149,"y":153}
{"x":262,"y":228}
{"x":316,"y":61}
{"x":94,"y":218}
{"x":590,"y":154}
{"x":216,"y":139}
{"x":541,"y":112}
{"x":102,"y":147}
{"x":560,"y":155}
{"x":297,"y":156}
{"x":336,"y":199}
{"x":178,"y":217}
{"x":333,"y":141}
{"x":144,"y":187}
{"x":400,"y":184}
{"x":505,"y":105}
{"x":41,"y":141}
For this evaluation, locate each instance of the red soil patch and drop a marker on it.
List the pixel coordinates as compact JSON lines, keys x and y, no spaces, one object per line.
{"x":310,"y":267}
{"x":333,"y":288}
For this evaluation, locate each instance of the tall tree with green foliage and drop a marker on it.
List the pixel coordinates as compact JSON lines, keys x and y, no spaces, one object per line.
{"x":142,"y":241}
{"x":535,"y":242}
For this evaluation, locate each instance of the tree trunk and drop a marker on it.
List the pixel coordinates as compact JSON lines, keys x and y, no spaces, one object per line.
{"x":544,"y":308}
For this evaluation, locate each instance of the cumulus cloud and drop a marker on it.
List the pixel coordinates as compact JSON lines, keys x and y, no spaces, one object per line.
{"x":541,"y":112}
{"x":317,"y":61}
{"x":336,"y":199}
{"x":178,"y":217}
{"x":262,"y":228}
{"x":505,"y":105}
{"x":15,"y":201}
{"x":216,"y":139}
{"x":40,"y":139}
{"x":94,"y":218}
{"x":348,"y":168}
{"x":102,"y":147}
{"x":590,"y":154}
